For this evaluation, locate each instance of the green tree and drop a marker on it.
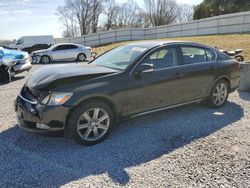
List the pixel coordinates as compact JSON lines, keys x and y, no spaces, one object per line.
{"x":209,"y":8}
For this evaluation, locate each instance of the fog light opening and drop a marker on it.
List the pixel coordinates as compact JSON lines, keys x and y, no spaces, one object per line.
{"x":42,"y":126}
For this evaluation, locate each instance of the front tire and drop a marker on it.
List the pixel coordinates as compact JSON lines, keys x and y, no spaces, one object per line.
{"x":45,"y":59}
{"x":5,"y":75}
{"x":91,"y":123}
{"x":219,"y":94}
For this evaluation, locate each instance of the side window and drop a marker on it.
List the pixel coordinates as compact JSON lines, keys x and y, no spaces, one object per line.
{"x":72,"y":47}
{"x":162,"y":58}
{"x":210,"y":55}
{"x":159,"y":54}
{"x":193,"y":55}
{"x":61,"y":47}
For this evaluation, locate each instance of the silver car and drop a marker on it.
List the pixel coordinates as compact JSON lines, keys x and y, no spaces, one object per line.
{"x":62,"y":52}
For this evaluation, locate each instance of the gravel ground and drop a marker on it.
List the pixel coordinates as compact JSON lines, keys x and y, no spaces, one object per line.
{"x":192,"y":146}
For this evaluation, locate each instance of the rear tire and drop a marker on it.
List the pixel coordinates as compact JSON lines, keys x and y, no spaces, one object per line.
{"x":5,"y":75}
{"x":219,"y":94}
{"x":91,"y":123}
{"x":81,"y":57}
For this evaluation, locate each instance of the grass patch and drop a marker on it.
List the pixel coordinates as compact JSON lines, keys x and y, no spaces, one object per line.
{"x":227,"y":42}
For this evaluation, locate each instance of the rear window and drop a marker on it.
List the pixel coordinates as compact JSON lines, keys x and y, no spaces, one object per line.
{"x":196,"y":55}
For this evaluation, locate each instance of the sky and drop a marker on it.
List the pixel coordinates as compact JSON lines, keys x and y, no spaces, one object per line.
{"x":38,"y":17}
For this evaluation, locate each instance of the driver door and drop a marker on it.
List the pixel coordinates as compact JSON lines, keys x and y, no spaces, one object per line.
{"x":60,"y":53}
{"x":157,"y":88}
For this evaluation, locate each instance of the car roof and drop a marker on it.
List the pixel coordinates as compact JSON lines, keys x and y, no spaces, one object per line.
{"x":78,"y":45}
{"x":151,"y":44}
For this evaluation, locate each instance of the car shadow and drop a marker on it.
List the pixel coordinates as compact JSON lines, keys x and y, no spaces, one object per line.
{"x":35,"y":160}
{"x":244,"y":95}
{"x":15,"y":78}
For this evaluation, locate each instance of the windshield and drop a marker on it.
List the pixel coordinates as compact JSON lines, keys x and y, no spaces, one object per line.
{"x":120,"y":57}
{"x":52,"y":47}
{"x":20,"y":41}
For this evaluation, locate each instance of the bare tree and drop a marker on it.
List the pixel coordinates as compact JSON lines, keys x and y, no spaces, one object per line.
{"x":186,"y":13}
{"x":130,"y":15}
{"x":110,"y":10}
{"x":67,"y":19}
{"x":83,"y":15}
{"x":161,"y":12}
{"x":96,"y":9}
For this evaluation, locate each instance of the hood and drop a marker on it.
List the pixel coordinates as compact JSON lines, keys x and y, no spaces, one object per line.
{"x":57,"y":75}
{"x":13,"y":54}
{"x":40,"y":51}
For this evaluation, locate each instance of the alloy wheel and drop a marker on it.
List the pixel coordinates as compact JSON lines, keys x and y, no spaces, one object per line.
{"x":220,"y":94}
{"x":81,"y":57}
{"x":45,"y":60}
{"x":93,"y":124}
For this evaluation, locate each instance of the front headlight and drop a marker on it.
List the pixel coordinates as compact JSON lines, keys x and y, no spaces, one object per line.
{"x":55,"y":99}
{"x":23,"y":61}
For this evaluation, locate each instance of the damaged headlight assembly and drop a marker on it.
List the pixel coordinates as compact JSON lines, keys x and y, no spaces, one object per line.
{"x":56,"y":99}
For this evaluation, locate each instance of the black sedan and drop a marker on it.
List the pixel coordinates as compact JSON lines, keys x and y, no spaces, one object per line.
{"x":36,"y":47}
{"x":86,"y":101}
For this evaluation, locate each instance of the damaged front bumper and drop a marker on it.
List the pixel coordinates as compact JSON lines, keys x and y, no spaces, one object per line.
{"x":22,"y":67}
{"x":33,"y":118}
{"x":35,"y":58}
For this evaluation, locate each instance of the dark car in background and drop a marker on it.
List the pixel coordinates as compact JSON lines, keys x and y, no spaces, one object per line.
{"x":7,"y":47}
{"x":87,"y":100}
{"x":36,"y":47}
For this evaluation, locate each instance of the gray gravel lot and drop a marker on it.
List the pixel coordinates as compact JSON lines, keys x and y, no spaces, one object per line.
{"x":192,"y":146}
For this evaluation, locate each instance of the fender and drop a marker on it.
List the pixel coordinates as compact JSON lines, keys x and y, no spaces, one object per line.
{"x":99,"y":96}
{"x":221,"y":77}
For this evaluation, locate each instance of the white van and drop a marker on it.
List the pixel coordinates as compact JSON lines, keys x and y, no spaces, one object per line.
{"x":29,"y":41}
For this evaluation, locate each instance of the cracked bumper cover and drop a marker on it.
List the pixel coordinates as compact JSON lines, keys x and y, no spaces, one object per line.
{"x":28,"y":116}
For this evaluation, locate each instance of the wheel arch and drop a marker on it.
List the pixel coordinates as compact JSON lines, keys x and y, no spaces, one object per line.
{"x":95,"y":98}
{"x":223,"y":77}
{"x":48,"y":55}
{"x":81,"y":53}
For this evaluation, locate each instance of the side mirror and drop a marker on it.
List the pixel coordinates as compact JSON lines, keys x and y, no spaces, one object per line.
{"x":145,"y":68}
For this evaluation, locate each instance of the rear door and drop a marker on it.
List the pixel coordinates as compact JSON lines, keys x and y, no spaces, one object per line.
{"x":72,"y":51}
{"x":197,"y":71}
